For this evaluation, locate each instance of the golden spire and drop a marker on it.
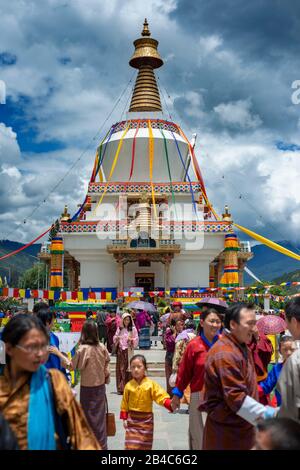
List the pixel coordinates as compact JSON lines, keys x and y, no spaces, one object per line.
{"x":145,"y":58}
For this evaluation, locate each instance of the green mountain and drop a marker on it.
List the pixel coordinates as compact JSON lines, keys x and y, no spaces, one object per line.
{"x":293,"y":276}
{"x":268,"y":264}
{"x":12,"y":268}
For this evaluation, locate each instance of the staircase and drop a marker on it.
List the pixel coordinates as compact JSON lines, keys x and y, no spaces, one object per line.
{"x":155,"y":358}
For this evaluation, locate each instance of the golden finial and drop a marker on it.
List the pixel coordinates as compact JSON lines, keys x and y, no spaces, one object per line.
{"x":145,"y":58}
{"x":65,"y":216}
{"x":146,"y":31}
{"x":227,"y":216}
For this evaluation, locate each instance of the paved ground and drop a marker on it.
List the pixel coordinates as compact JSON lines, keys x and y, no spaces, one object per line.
{"x":170,"y":430}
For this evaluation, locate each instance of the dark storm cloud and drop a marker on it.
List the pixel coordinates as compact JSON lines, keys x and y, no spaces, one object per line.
{"x":262,"y":29}
{"x":262,"y":36}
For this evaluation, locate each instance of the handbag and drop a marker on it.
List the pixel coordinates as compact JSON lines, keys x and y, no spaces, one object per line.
{"x":172,"y":379}
{"x":110,"y":422}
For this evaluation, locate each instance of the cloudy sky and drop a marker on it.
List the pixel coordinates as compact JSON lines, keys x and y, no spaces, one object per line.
{"x":229,"y":69}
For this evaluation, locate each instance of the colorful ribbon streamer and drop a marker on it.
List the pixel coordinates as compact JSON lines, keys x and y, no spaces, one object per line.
{"x":101,"y":157}
{"x":133,"y":150}
{"x":151,"y":158}
{"x":168,"y":165}
{"x":189,"y":179}
{"x":197,"y":172}
{"x":115,"y":161}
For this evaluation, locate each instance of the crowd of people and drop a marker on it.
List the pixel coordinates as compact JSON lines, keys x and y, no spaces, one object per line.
{"x":221,"y":369}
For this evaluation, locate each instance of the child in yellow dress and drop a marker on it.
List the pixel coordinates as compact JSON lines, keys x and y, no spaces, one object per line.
{"x":136,"y":407}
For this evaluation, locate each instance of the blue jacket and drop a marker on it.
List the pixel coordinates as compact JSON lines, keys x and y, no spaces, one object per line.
{"x":54,"y":361}
{"x":270,"y":382}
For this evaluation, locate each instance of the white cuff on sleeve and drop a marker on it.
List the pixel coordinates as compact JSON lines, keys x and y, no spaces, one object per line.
{"x":251,"y":410}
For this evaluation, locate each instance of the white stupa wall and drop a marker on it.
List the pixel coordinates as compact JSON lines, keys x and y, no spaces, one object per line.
{"x":141,"y":163}
{"x":188,"y":269}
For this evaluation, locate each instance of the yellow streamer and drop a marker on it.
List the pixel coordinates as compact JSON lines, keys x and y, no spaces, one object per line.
{"x":268,"y":243}
{"x":101,"y":178}
{"x":151,"y":157}
{"x":113,"y":166}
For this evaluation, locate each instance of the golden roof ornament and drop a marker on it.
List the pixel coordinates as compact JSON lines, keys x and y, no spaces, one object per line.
{"x":65,"y":216}
{"x":146,"y":58}
{"x":227,"y":216}
{"x":144,"y":198}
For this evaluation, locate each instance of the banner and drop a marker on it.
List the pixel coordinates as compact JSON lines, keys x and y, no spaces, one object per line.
{"x":109,"y":296}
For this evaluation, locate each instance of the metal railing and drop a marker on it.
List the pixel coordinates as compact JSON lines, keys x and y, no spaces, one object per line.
{"x":245,"y":246}
{"x":160,"y":242}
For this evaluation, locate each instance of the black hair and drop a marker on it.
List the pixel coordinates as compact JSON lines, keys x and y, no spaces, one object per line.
{"x":18,"y":326}
{"x":234,"y":312}
{"x":141,"y":358}
{"x":45,"y":315}
{"x":284,"y":339}
{"x":39,"y":306}
{"x":89,"y":333}
{"x":89,"y":313}
{"x":292,"y":309}
{"x":175,"y":320}
{"x":284,"y":433}
{"x":190,"y":324}
{"x":130,"y":326}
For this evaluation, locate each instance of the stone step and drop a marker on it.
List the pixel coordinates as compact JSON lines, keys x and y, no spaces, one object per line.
{"x":157,"y":372}
{"x":150,"y":365}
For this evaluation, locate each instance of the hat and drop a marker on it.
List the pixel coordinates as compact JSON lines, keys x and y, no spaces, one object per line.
{"x":177,"y":304}
{"x":125,"y":315}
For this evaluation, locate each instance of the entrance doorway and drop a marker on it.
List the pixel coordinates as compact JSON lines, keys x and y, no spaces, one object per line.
{"x":145,"y":280}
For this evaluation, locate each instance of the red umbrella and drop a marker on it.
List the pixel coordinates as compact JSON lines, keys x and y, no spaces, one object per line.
{"x":271,"y":325}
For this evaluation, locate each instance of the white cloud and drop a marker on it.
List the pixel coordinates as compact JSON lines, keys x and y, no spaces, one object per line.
{"x":209,"y":44}
{"x":11,"y":171}
{"x":259,"y":182}
{"x":238,"y":114}
{"x":195,"y":104}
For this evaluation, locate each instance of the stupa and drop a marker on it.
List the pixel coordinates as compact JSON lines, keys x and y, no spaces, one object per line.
{"x":146,"y":220}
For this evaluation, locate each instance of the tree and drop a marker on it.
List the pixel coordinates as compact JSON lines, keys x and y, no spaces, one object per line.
{"x":54,"y":230}
{"x":7,"y":303}
{"x":34,"y":278}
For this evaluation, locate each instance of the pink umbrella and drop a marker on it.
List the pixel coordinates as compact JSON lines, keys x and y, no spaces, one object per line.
{"x":271,"y":325}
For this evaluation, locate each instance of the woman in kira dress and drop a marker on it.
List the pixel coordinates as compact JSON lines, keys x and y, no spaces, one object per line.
{"x":38,"y":403}
{"x":125,"y":340}
{"x":191,"y":372}
{"x":92,"y":360}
